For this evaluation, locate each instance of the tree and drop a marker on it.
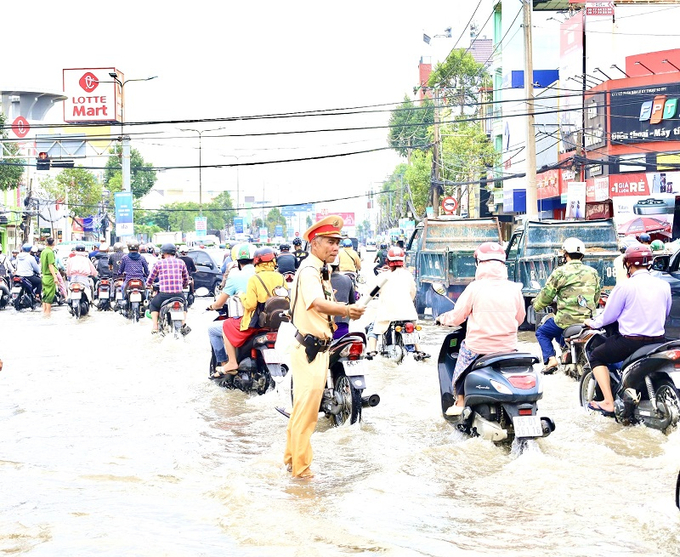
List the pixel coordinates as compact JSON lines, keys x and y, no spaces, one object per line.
{"x":459,"y":77}
{"x":79,"y":187}
{"x":11,"y":169}
{"x":410,"y":127}
{"x":182,"y":216}
{"x":221,"y":212}
{"x":274,"y":217}
{"x":142,"y":178}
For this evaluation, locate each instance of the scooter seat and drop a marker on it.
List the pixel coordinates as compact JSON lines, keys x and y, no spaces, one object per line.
{"x":641,"y":352}
{"x":509,"y":358}
{"x":573,"y":331}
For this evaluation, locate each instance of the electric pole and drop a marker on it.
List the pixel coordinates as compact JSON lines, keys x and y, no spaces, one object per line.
{"x":532,"y":195}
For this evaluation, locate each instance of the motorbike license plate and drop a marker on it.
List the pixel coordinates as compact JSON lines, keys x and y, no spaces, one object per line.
{"x":76,"y":295}
{"x":527,"y":426}
{"x":104,"y":295}
{"x":354,"y":367}
{"x":16,"y":290}
{"x":136,"y":297}
{"x":409,"y":338}
{"x":271,"y":356}
{"x":177,"y":315}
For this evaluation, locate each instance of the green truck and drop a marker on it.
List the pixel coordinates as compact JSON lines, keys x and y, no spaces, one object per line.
{"x":535,"y":249}
{"x":441,"y":252}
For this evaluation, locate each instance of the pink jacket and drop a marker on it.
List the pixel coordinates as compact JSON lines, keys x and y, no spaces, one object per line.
{"x":494,"y":307}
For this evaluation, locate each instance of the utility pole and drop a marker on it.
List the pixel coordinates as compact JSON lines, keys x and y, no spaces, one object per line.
{"x":434,"y":177}
{"x":531,"y":193}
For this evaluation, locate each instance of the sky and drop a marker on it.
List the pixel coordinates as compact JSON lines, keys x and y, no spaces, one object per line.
{"x":226,"y":59}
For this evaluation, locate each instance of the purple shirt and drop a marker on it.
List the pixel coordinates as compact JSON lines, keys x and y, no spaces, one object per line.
{"x":172,"y":275}
{"x":640,"y":305}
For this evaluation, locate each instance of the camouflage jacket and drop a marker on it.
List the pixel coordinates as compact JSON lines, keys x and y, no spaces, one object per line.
{"x":576,"y":288}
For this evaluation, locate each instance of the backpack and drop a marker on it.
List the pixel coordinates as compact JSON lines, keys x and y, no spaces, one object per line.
{"x":271,"y":313}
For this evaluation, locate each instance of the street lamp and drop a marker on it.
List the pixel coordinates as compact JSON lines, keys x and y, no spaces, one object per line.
{"x":125,"y":139}
{"x":200,"y":163}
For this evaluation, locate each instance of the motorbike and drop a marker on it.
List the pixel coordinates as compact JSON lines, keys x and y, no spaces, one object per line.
{"x":259,"y":365}
{"x":399,"y":339}
{"x":343,"y":398}
{"x":134,"y":299}
{"x":501,"y":392}
{"x":22,"y":295}
{"x":645,"y":385}
{"x":171,"y":315}
{"x":78,"y":299}
{"x":117,"y":294}
{"x":103,"y":294}
{"x":5,"y":295}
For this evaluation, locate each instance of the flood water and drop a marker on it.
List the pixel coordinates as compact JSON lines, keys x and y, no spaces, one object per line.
{"x":115,"y":443}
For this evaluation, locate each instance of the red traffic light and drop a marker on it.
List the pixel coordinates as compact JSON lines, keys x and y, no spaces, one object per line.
{"x":43,"y":161}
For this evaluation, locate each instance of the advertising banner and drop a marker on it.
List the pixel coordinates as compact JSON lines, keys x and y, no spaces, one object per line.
{"x":92,"y":95}
{"x":644,"y":202}
{"x":201,"y":226}
{"x":238,"y":225}
{"x":576,"y":201}
{"x":123,"y":202}
{"x":278,"y":230}
{"x":347,"y":217}
{"x":264,"y":234}
{"x":645,"y":114}
{"x":548,"y":184}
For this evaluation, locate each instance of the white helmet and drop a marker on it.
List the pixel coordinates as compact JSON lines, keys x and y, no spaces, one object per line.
{"x":490,"y":251}
{"x":574,"y":245}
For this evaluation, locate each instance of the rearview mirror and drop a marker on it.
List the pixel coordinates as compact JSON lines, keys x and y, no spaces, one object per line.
{"x":438,"y":287}
{"x":660,"y":263}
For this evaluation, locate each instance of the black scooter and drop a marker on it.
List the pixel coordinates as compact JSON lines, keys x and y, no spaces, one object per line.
{"x":501,"y":391}
{"x":645,"y":385}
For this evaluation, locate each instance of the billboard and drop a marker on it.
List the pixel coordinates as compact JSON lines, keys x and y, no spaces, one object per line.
{"x":92,"y":95}
{"x":571,"y":65}
{"x":347,"y":217}
{"x":123,"y":203}
{"x":644,"y":114}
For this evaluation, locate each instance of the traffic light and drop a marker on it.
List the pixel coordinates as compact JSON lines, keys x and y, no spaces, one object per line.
{"x":25,"y":221}
{"x":43,"y":161}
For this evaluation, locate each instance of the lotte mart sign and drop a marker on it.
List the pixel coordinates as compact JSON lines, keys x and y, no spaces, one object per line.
{"x":92,"y":95}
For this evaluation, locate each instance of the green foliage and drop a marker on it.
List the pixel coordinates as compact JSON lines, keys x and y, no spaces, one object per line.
{"x":466,"y":152}
{"x":77,"y":185}
{"x":410,"y":126}
{"x":142,"y":178}
{"x":182,"y":215}
{"x":459,"y":78}
{"x":275,"y":217}
{"x":221,"y":212}
{"x":10,"y":174}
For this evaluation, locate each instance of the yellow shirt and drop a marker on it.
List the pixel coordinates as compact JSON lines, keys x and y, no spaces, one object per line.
{"x":308,"y":287}
{"x":349,"y":260}
{"x":255,"y":292}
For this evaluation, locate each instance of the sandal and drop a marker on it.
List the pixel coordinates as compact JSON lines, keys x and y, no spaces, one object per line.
{"x":549,"y":370}
{"x":371,"y":355}
{"x":221,"y":372}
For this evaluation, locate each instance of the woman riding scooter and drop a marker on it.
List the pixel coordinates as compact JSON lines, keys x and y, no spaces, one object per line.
{"x":494,"y":309}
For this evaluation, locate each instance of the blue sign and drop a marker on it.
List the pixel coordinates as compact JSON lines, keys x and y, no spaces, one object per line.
{"x":278,"y":230}
{"x":238,"y":225}
{"x":201,"y":226}
{"x":289,"y":211}
{"x":124,"y":226}
{"x":88,"y":224}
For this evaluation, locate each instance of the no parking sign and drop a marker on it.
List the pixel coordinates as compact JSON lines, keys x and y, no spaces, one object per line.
{"x":449,"y":205}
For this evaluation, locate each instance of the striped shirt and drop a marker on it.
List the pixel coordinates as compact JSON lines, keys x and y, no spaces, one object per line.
{"x":172,"y":274}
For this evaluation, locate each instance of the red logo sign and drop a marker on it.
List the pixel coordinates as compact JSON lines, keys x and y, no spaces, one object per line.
{"x":21,"y":127}
{"x":629,"y":184}
{"x":89,"y":82}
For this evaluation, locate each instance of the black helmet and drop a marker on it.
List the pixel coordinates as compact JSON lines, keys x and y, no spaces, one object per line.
{"x":297,"y":242}
{"x":80,"y":247}
{"x":169,"y":248}
{"x":263,"y":255}
{"x":284,"y":247}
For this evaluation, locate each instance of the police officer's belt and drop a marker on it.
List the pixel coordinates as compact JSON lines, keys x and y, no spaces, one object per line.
{"x":312,"y":344}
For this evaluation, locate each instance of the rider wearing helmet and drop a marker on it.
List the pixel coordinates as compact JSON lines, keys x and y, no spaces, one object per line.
{"x":235,"y":285}
{"x":576,"y":288}
{"x":267,"y":282}
{"x":286,"y":261}
{"x":27,"y":267}
{"x":644,"y":238}
{"x":350,"y":262}
{"x":79,"y":269}
{"x":657,"y":246}
{"x":494,"y":309}
{"x":640,"y":305}
{"x":298,"y":252}
{"x":172,"y":276}
{"x":115,"y":258}
{"x":380,"y":257}
{"x":133,"y":265}
{"x":395,"y":302}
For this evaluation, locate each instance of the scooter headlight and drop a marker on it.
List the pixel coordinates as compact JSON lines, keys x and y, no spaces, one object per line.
{"x":500,"y":387}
